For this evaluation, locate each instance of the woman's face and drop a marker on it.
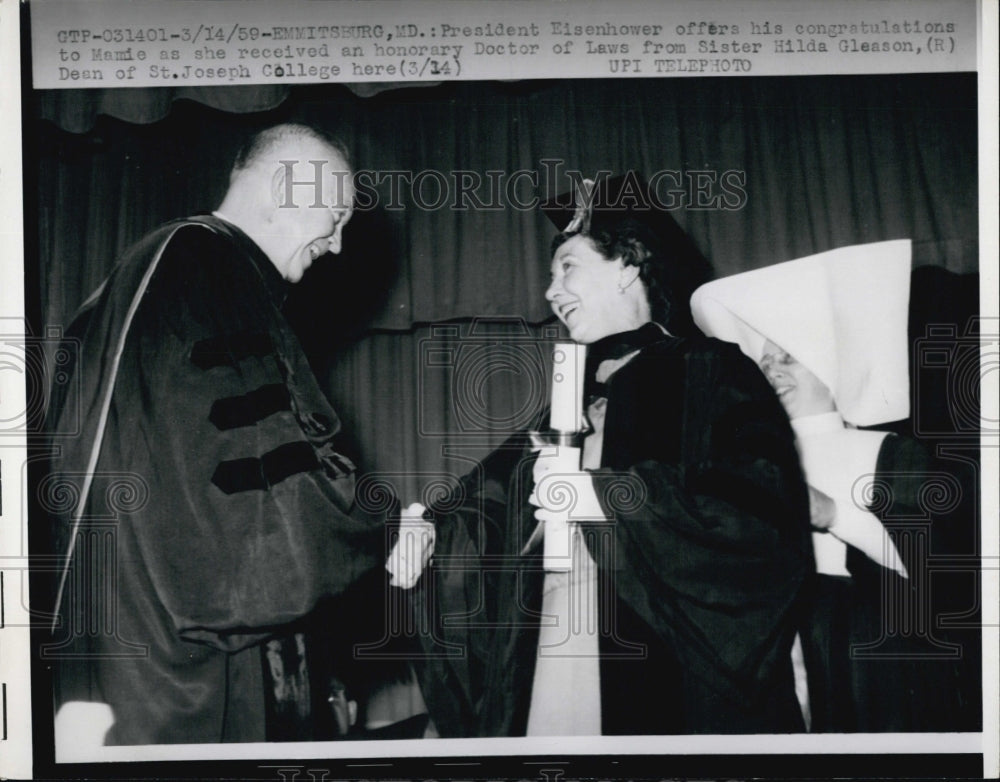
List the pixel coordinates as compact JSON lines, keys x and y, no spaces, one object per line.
{"x":800,"y":391}
{"x":584,"y":292}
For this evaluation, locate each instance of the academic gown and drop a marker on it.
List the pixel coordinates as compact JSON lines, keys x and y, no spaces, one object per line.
{"x":700,"y":562}
{"x":219,"y":509}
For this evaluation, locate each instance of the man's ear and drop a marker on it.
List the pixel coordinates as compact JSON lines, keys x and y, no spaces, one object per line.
{"x":352,"y":713}
{"x":281,"y":196}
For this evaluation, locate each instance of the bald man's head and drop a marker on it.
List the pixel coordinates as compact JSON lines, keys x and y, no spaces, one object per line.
{"x":275,"y":142}
{"x":290,"y":190}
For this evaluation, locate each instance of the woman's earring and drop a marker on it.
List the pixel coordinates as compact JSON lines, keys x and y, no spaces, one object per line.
{"x":623,"y":287}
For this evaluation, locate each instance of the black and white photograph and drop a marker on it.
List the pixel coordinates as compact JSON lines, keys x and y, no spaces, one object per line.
{"x":447,"y":428}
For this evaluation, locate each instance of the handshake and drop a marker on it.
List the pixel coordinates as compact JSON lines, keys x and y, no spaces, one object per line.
{"x":412,"y":551}
{"x":555,"y":479}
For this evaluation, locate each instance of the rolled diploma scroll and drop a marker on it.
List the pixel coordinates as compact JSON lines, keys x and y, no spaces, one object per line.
{"x":566,"y":418}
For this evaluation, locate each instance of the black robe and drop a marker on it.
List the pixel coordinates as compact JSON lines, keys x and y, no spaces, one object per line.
{"x":700,"y":563}
{"x":877,"y":656}
{"x":219,"y":510}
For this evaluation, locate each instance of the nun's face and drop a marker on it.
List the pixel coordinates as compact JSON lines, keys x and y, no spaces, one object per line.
{"x":584,"y":293}
{"x":800,"y":391}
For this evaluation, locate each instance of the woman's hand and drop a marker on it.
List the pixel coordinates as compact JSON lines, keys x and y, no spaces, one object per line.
{"x":562,"y":493}
{"x":822,"y":510}
{"x":856,"y":527}
{"x":562,"y":490}
{"x":413,"y":550}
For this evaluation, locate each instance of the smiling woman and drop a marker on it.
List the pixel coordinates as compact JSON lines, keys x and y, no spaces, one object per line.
{"x":690,"y":574}
{"x":800,"y":391}
{"x":583,"y":296}
{"x":873,"y":646}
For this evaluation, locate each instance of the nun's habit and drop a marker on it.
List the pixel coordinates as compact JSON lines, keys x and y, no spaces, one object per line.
{"x":843,"y":315}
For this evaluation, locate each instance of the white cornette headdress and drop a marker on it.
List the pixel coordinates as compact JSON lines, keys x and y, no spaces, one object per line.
{"x":842,"y":313}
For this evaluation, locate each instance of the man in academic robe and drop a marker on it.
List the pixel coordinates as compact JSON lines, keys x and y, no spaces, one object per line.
{"x":209,"y":506}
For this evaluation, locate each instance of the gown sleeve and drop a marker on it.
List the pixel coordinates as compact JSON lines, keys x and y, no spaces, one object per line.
{"x":711,"y":537}
{"x":930,"y":507}
{"x":250,"y":517}
{"x":457,"y":599}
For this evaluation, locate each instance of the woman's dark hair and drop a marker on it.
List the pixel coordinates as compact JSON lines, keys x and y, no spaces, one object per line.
{"x":670,"y":275}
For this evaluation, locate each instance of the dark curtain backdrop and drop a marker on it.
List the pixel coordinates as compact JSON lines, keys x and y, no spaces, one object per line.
{"x":422,"y":388}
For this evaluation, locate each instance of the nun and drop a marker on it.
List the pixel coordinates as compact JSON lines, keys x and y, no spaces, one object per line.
{"x":829,"y":332}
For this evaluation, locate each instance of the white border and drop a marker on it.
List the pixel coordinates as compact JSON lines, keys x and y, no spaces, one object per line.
{"x":15,"y":657}
{"x":15,"y":757}
{"x":989,"y":250}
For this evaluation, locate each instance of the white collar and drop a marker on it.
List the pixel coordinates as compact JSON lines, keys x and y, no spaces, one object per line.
{"x":821,"y":423}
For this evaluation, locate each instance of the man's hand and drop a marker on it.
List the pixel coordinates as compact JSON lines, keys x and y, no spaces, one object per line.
{"x":413,"y":550}
{"x":822,"y":510}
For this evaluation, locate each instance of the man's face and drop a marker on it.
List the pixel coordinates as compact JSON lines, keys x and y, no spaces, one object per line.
{"x":800,"y":391}
{"x":315,"y":201}
{"x":584,"y":292}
